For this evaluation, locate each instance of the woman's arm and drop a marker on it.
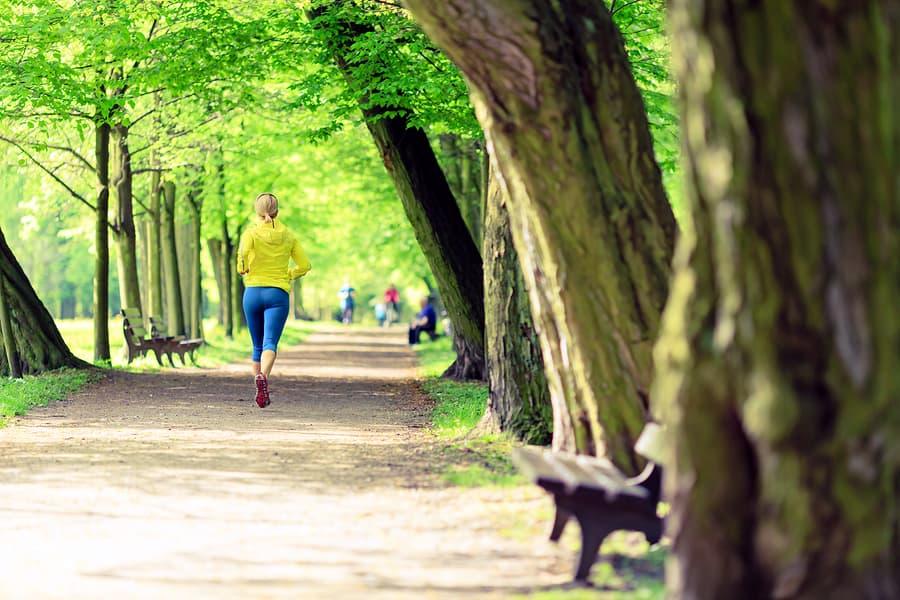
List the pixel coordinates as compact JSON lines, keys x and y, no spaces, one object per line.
{"x":300,"y":260}
{"x":242,"y":253}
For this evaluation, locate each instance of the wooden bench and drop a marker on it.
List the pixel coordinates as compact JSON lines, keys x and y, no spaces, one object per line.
{"x":597,"y":494}
{"x":178,"y":344}
{"x":137,"y":342}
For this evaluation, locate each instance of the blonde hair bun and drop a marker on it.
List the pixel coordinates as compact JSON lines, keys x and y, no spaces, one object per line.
{"x":267,"y":206}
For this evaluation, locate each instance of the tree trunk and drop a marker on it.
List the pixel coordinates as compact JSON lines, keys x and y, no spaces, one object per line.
{"x":431,"y":209}
{"x":124,"y":230}
{"x":174,"y":305}
{"x":237,"y":290}
{"x":778,"y":359}
{"x":461,"y":162}
{"x":194,"y":201}
{"x":215,"y":256}
{"x":565,"y":121}
{"x":13,"y":364}
{"x":101,"y":245}
{"x":154,"y":249}
{"x":44,"y":348}
{"x":519,"y":399}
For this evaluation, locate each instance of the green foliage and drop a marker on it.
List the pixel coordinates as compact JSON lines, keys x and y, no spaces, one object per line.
{"x":392,"y":64}
{"x":643,"y":27}
{"x":18,"y":395}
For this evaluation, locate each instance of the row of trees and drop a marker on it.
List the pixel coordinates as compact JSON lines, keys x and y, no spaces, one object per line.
{"x":775,"y":363}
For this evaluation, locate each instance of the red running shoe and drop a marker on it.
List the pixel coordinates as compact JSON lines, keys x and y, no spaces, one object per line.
{"x":262,"y":391}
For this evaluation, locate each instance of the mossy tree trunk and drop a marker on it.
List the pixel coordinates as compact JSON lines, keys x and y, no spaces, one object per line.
{"x":101,"y":244}
{"x":519,"y":398}
{"x":124,"y":229}
{"x":564,"y":119}
{"x":174,"y":304}
{"x":13,"y":364}
{"x":429,"y":204}
{"x":778,"y":359}
{"x":39,"y":346}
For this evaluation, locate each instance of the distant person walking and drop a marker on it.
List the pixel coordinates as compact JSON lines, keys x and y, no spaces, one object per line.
{"x":425,"y":321}
{"x":391,"y":304}
{"x":264,"y":258}
{"x":347,"y":297}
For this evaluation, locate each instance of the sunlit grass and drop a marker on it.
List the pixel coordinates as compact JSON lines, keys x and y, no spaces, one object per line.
{"x":477,"y":460}
{"x":216,"y":351}
{"x":434,"y":356}
{"x":18,"y":395}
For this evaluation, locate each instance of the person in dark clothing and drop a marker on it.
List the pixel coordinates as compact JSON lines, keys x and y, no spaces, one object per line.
{"x":425,"y":321}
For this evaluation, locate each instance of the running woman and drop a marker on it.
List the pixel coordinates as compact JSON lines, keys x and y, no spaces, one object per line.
{"x":263,"y":257}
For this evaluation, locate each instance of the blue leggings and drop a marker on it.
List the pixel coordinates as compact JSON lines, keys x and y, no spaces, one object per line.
{"x":266,"y":310}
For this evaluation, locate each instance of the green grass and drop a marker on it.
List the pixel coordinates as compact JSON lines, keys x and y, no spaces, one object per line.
{"x":18,"y":395}
{"x":434,"y":356}
{"x":218,"y":349}
{"x":474,"y":459}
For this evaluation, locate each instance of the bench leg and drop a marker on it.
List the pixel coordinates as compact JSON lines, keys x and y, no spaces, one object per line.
{"x":158,"y":357}
{"x":594,"y":530}
{"x":559,"y":523}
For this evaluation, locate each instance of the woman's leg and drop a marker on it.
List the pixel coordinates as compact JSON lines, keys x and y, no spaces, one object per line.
{"x":254,"y":312}
{"x":276,"y":314}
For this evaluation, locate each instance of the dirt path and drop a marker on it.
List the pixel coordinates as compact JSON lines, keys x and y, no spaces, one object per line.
{"x":174,"y":485}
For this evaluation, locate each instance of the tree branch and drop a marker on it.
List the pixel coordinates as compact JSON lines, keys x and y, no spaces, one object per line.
{"x":56,"y":178}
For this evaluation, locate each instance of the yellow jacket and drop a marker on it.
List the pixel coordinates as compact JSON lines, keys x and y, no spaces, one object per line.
{"x":264,"y":255}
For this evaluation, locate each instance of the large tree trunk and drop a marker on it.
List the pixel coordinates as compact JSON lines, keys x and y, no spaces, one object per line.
{"x":174,"y":305}
{"x":431,"y":209}
{"x":778,"y":359}
{"x":101,"y":245}
{"x":124,"y":230}
{"x":519,"y":399}
{"x":565,"y":121}
{"x":13,"y":364}
{"x":40,"y":347}
{"x":154,"y":249}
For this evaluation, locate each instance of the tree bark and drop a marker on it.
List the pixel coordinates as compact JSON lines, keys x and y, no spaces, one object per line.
{"x":44,"y":348}
{"x":195,"y":206}
{"x":461,"y":162}
{"x":566,"y":123}
{"x":14,"y":366}
{"x":519,"y":398}
{"x":431,"y":209}
{"x":777,"y":363}
{"x":215,"y":255}
{"x":154,"y":249}
{"x":124,"y":230}
{"x":174,"y":304}
{"x":101,"y":245}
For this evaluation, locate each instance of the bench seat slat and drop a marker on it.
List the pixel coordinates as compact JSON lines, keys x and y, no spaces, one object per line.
{"x":574,"y":472}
